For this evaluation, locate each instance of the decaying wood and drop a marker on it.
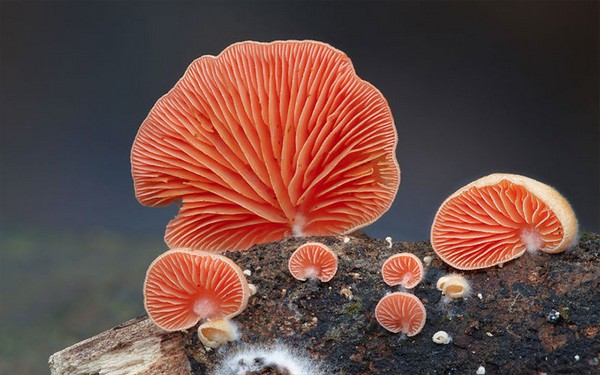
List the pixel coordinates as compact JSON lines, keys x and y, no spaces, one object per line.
{"x":537,"y":314}
{"x":134,"y":347}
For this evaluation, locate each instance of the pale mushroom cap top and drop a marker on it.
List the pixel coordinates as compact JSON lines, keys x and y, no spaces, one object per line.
{"x":403,"y":268}
{"x":497,"y":218}
{"x":313,"y":260}
{"x":183,"y":287}
{"x":265,"y":141}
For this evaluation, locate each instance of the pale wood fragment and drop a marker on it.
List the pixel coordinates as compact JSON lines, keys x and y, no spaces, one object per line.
{"x":137,"y":346}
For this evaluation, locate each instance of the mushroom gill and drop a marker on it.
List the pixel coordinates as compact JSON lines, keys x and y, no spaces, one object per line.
{"x":265,"y":141}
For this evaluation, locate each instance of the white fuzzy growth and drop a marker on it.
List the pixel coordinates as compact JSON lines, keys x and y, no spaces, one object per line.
{"x":280,"y":357}
{"x":204,"y":307}
{"x":299,"y":222}
{"x":480,"y":370}
{"x":532,"y":239}
{"x":311,"y":273}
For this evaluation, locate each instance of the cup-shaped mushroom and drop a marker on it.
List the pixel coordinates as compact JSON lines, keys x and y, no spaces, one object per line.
{"x":497,"y":218}
{"x":404,"y":269}
{"x":215,"y":333}
{"x":313,"y":260}
{"x":183,"y":287}
{"x":454,"y":286}
{"x":401,"y":312}
{"x":264,"y":141}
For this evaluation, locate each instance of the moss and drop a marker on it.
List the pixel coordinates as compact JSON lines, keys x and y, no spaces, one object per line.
{"x":565,"y":313}
{"x":354,"y":308}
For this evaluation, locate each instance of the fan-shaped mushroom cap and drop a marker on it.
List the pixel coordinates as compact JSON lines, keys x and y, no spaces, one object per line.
{"x":183,"y":287}
{"x":401,"y":312}
{"x":313,"y":260}
{"x":496,"y":218}
{"x":403,"y":268}
{"x":265,"y":141}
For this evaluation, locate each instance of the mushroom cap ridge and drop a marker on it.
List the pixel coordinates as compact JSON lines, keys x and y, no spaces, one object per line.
{"x":555,"y":202}
{"x":182,"y":287}
{"x":266,"y":184}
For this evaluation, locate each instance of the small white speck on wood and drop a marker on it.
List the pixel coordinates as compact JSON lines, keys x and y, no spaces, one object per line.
{"x":137,"y":346}
{"x":427,"y":260}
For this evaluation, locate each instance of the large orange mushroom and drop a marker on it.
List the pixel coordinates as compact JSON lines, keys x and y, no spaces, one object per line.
{"x":497,"y":218}
{"x":183,"y":287}
{"x":265,"y":141}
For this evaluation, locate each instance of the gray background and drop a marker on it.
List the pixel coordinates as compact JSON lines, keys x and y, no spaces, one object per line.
{"x":475,"y":88}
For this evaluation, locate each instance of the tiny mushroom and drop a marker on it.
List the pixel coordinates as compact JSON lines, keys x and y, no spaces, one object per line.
{"x":266,"y":141}
{"x":454,"y":286}
{"x":313,"y":260}
{"x":441,"y":337}
{"x":215,"y":333}
{"x":401,"y":312}
{"x":497,"y":218}
{"x":183,"y":287}
{"x":403,"y":269}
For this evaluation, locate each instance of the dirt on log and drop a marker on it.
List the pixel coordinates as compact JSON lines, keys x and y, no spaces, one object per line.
{"x":537,"y":314}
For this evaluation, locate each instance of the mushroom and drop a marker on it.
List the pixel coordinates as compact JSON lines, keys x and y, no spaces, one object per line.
{"x":313,"y":260}
{"x":454,"y":286}
{"x":265,"y":141}
{"x":401,"y":312}
{"x":441,"y":337}
{"x":403,"y":269}
{"x":183,"y":287}
{"x":215,"y":333}
{"x":496,"y":218}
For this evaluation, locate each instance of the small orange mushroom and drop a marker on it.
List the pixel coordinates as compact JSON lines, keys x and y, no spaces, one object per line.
{"x":402,"y":269}
{"x":313,"y":260}
{"x":265,"y":141}
{"x":496,"y":218}
{"x":183,"y":287}
{"x":401,"y":312}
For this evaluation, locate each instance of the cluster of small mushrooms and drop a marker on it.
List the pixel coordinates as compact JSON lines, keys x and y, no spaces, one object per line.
{"x":270,"y":140}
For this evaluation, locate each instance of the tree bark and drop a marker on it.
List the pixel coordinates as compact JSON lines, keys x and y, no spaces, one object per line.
{"x":536,"y":314}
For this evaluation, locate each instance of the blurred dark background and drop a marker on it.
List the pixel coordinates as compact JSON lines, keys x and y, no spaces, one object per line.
{"x":475,"y":88}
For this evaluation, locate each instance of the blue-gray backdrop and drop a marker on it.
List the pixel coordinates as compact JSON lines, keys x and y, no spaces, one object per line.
{"x":475,"y":88}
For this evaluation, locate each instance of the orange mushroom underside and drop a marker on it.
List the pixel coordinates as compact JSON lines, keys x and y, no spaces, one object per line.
{"x":401,"y":312}
{"x":489,"y":225}
{"x":404,"y":268}
{"x":182,"y":288}
{"x":266,"y":141}
{"x":313,"y":261}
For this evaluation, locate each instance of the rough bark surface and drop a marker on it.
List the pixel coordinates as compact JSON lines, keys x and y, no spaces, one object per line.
{"x":137,"y":346}
{"x":537,"y":314}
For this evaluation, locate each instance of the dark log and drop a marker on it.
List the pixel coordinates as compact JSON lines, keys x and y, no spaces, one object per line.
{"x":537,"y":314}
